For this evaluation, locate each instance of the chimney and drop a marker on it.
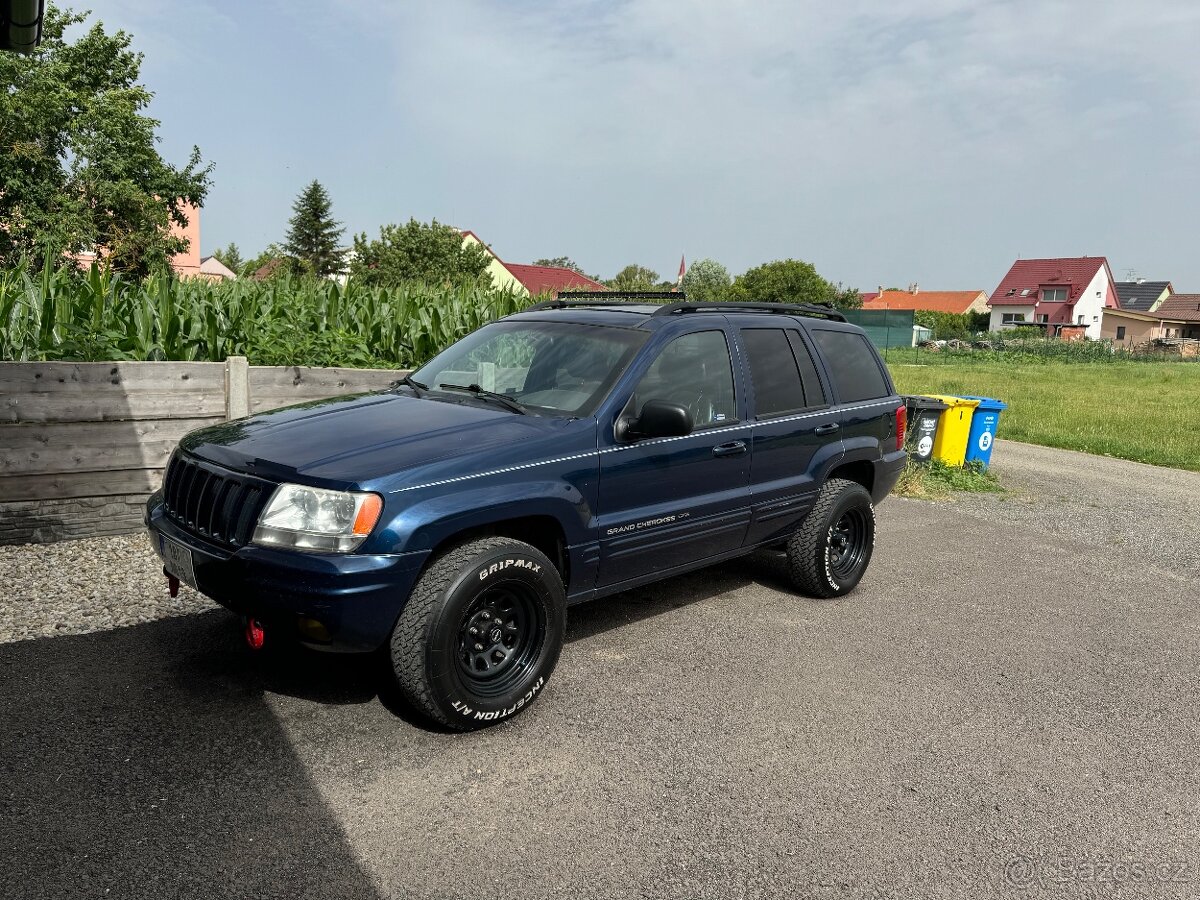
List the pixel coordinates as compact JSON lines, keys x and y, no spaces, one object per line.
{"x":881,"y":289}
{"x":916,"y":289}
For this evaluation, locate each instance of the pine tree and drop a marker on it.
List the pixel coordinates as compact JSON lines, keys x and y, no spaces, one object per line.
{"x":313,"y":234}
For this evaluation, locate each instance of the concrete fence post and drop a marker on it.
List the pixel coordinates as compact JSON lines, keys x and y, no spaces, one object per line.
{"x":237,"y":387}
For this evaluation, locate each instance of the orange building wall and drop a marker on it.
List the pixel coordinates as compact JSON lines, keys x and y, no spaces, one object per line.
{"x":188,"y":263}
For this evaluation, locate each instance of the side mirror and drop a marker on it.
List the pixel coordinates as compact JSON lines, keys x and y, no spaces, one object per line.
{"x":661,"y":419}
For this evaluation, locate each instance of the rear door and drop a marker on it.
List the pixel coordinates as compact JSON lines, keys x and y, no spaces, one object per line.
{"x":863,"y":388}
{"x":667,"y":502}
{"x":796,"y":430}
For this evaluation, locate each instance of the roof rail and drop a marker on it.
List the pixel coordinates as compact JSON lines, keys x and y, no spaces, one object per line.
{"x":822,"y":310}
{"x":574,"y":300}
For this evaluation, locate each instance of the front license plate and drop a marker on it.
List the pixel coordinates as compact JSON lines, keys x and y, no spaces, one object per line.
{"x":177,"y":560}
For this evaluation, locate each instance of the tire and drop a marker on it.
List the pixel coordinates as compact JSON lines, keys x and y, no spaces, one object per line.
{"x":830,"y":551}
{"x":514,"y":597}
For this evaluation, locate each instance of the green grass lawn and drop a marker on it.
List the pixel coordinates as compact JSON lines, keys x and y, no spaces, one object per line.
{"x":1148,"y":412}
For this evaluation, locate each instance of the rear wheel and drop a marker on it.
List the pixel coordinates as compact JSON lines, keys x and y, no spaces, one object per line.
{"x":830,"y":551}
{"x":480,"y":634}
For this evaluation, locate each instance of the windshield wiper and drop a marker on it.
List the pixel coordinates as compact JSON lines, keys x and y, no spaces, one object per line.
{"x":477,"y":391}
{"x":417,"y":388}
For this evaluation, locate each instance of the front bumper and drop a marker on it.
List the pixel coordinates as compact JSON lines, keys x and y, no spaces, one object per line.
{"x":356,"y":597}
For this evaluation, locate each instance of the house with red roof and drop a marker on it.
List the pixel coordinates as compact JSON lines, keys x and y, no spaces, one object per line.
{"x":935,"y":301}
{"x":532,"y":280}
{"x":1065,"y":296}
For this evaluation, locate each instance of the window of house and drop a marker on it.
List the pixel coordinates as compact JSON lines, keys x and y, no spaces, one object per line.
{"x":1044,"y":317}
{"x":1011,"y":318}
{"x":1120,"y":332}
{"x":1095,"y":318}
{"x":1054,"y":295}
{"x":853,"y":364}
{"x":694,"y":371}
{"x":1079,"y":320}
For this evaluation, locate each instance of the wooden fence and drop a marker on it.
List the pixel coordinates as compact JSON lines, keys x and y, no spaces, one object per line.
{"x":83,"y":444}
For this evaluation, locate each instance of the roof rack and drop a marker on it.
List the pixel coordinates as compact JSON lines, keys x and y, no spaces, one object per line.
{"x":567,"y":299}
{"x":575,"y":300}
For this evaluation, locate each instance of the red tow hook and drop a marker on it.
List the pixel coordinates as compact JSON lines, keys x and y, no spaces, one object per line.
{"x":255,"y":636}
{"x":172,"y":584}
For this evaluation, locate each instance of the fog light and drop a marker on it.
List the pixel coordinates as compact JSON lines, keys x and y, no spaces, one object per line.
{"x":313,"y":630}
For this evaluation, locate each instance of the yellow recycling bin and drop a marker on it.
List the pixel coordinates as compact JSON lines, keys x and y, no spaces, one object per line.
{"x":950,"y":444}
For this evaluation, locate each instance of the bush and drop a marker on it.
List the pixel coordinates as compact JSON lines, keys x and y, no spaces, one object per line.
{"x":951,"y":325}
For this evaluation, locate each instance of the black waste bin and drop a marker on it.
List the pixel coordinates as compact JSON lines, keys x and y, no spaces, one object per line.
{"x":924,"y":413}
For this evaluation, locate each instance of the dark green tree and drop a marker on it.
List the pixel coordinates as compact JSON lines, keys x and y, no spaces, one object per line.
{"x":790,"y":281}
{"x":433,"y":253}
{"x":230,"y":256}
{"x":634,"y":278}
{"x":80,"y":167}
{"x":313,"y":234}
{"x":561,"y":262}
{"x":706,"y":280}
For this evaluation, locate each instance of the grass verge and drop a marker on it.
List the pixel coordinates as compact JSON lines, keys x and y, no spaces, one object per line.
{"x":937,"y":481}
{"x":1143,"y":411}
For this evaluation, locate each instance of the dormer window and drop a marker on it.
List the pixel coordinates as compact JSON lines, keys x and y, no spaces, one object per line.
{"x":1054,"y":295}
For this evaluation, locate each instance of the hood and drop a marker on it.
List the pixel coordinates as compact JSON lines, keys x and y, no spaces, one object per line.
{"x":347,"y":441}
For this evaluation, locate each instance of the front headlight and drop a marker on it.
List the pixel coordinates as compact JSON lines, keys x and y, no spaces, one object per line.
{"x":308,"y":518}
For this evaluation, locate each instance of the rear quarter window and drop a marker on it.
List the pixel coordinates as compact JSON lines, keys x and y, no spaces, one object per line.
{"x":853,"y":365}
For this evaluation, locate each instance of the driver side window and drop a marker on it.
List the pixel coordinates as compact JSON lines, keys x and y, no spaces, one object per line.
{"x":695,"y":371}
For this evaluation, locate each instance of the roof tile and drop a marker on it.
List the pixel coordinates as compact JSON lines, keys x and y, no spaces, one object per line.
{"x":1075,"y":272}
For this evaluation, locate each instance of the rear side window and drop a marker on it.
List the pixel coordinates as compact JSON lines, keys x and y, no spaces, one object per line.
{"x":814,"y":394}
{"x":777,"y":387}
{"x":853,"y":364}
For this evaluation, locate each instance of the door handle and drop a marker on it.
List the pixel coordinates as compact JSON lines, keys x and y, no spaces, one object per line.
{"x":733,"y":448}
{"x":827,"y":429}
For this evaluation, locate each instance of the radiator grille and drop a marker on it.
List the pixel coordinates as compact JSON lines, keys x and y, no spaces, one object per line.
{"x":216,"y":504}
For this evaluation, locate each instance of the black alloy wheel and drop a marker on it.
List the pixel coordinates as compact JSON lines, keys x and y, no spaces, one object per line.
{"x":501,"y":633}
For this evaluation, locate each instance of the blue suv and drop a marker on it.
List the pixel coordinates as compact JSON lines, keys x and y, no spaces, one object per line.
{"x":574,"y":450}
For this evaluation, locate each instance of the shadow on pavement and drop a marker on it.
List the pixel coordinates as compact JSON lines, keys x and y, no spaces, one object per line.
{"x":764,"y":567}
{"x":144,"y":762}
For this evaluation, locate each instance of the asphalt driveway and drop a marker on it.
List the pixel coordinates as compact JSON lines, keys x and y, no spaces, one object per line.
{"x":1009,"y":705}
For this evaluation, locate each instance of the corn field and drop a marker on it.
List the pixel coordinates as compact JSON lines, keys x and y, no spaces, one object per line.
{"x":99,"y":316}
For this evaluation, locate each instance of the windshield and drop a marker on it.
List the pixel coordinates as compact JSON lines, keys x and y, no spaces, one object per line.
{"x":557,"y":368}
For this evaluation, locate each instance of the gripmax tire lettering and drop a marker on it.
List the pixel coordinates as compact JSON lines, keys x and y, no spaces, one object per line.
{"x":813,"y":555}
{"x":509,"y":593}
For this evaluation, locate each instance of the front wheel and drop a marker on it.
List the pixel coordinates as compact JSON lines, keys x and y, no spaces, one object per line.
{"x":480,"y":634}
{"x":830,"y":551}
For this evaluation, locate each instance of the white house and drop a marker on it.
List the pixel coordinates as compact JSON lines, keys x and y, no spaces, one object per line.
{"x":1068,"y":294}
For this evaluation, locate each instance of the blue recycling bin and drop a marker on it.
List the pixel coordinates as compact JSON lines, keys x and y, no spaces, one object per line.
{"x":983,"y":428}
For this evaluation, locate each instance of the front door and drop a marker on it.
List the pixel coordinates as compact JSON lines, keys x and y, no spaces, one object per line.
{"x":667,"y":502}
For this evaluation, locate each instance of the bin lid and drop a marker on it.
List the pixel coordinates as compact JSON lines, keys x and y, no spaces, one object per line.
{"x":953,"y":402}
{"x":991,"y":404}
{"x":917,"y":401}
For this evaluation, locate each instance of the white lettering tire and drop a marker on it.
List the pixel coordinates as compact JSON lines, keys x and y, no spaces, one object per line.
{"x":480,"y":634}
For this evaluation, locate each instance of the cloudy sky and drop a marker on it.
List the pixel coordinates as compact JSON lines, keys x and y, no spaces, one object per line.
{"x":886,"y":142}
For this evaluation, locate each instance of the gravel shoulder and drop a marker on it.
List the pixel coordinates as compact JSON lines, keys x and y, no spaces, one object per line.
{"x":77,"y":587}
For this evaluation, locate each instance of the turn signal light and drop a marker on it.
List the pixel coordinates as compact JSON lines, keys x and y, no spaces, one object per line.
{"x":368,"y":514}
{"x":901,"y":425}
